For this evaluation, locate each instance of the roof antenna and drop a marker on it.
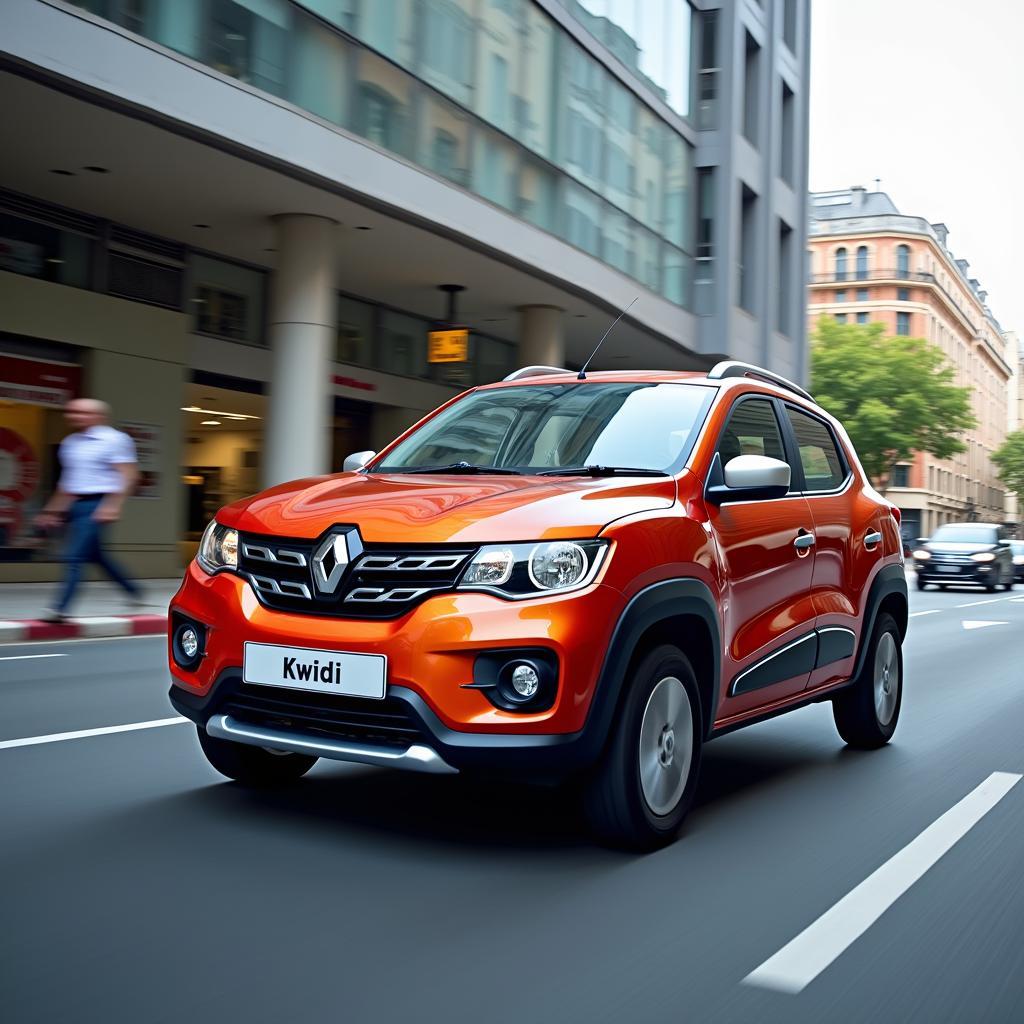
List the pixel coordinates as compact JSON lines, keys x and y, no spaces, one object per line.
{"x":582,"y":375}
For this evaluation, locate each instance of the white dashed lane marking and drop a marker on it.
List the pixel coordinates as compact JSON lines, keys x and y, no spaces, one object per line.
{"x":59,"y":737}
{"x":799,"y":962}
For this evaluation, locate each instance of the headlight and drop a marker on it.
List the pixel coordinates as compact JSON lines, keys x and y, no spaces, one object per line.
{"x":219,"y":548}
{"x":526,"y":570}
{"x":921,"y":555}
{"x":983,"y":556}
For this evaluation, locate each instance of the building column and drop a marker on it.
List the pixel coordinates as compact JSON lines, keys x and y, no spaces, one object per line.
{"x":303,"y":330}
{"x":541,"y":336}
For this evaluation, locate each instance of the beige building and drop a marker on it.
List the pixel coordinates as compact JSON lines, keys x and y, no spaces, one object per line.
{"x":872,"y":264}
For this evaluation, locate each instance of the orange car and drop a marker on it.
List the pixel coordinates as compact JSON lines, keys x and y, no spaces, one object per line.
{"x":554,"y":577}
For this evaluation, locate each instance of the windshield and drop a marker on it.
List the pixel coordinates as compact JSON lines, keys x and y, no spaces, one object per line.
{"x":545,"y":427}
{"x":1017,"y":547}
{"x":956,"y":534}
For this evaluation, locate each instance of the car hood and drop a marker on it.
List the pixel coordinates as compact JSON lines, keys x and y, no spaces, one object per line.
{"x":414,"y":509}
{"x":952,"y":548}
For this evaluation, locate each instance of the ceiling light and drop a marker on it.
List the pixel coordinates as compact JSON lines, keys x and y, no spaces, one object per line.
{"x":210,"y":423}
{"x":53,"y":259}
{"x":218,"y":412}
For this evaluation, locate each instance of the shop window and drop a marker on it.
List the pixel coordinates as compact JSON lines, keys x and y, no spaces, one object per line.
{"x":226,"y":299}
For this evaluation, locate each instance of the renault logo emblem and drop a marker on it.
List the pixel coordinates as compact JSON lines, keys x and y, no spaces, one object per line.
{"x":332,"y":558}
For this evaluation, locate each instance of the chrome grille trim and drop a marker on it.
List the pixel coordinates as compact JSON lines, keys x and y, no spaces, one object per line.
{"x":261,"y":553}
{"x":380,"y":594}
{"x":287,"y":588}
{"x":410,"y":563}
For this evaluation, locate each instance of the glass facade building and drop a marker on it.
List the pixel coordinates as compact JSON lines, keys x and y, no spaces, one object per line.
{"x":493,"y":95}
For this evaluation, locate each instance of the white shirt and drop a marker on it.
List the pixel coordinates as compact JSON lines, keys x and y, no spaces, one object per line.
{"x":89,"y":460}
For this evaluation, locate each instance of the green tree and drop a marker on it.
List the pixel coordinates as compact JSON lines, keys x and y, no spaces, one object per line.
{"x":1009,"y":460}
{"x":894,"y":395}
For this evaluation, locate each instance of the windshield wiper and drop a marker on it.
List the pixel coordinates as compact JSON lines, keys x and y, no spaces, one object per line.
{"x":602,"y":471}
{"x":455,"y":467}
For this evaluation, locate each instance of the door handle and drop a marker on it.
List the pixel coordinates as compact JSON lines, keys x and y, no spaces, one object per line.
{"x":804,"y":540}
{"x":871,"y":540}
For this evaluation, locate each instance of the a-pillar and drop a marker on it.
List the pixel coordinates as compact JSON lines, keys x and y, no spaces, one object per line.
{"x":303,"y":331}
{"x":541,"y":336}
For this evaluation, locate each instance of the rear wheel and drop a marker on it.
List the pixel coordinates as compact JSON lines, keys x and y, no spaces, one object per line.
{"x":639,"y":793}
{"x":255,"y":766}
{"x":867,"y":711}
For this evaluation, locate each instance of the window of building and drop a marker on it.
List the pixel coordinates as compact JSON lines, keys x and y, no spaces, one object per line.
{"x":841,"y":318}
{"x":787,"y":142}
{"x":705,"y":213}
{"x":789,"y":16}
{"x":903,"y":294}
{"x":498,"y":38}
{"x":822,"y":464}
{"x":403,"y":344}
{"x":903,"y":260}
{"x":783,"y":300}
{"x":900,"y":476}
{"x":580,"y":219}
{"x":902,"y":323}
{"x":536,"y":91}
{"x":226,"y":299}
{"x":751,"y":89}
{"x":355,"y":332}
{"x":677,"y":273}
{"x":383,"y":104}
{"x":862,"y":295}
{"x":538,"y":194}
{"x":495,"y":168}
{"x":319,"y":68}
{"x":862,"y":318}
{"x":678,"y":175}
{"x":445,"y":37}
{"x":862,"y":262}
{"x":249,"y":41}
{"x":840,"y":295}
{"x":841,"y":263}
{"x":41,"y":250}
{"x":707,"y":70}
{"x":748,"y":248}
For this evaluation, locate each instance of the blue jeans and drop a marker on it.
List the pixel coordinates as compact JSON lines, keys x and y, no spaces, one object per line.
{"x":85,"y":544}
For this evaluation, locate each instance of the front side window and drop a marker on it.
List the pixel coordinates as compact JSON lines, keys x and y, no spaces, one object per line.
{"x":538,"y":428}
{"x":753,"y":429}
{"x":822,"y":464}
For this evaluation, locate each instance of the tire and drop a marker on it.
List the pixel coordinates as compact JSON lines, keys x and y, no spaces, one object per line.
{"x":866,"y":712}
{"x":640,"y":791}
{"x":921,"y":585}
{"x":990,"y":588}
{"x":1008,"y":585}
{"x":254,"y":766}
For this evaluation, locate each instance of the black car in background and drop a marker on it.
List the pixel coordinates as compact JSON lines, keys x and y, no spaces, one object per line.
{"x":957,"y":553}
{"x":1017,"y":550}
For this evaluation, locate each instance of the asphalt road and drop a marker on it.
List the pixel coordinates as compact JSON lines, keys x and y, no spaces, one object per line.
{"x":137,"y":885}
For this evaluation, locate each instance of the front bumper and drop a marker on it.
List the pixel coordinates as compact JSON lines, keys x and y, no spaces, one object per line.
{"x":431,"y":654}
{"x":981,"y":574}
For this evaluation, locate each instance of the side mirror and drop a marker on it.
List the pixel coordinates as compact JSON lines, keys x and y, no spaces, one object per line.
{"x":748,"y":478}
{"x":356,"y":461}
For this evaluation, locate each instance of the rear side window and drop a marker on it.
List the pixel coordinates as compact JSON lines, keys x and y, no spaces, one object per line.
{"x":822,"y":464}
{"x":752,"y":430}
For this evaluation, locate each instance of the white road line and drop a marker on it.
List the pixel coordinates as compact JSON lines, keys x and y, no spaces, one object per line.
{"x":931,"y":611}
{"x":799,"y":962}
{"x":991,"y":600}
{"x":83,"y":640}
{"x":26,"y":657}
{"x":57,"y":737}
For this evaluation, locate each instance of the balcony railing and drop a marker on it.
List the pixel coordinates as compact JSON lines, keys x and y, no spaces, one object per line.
{"x":853,"y":276}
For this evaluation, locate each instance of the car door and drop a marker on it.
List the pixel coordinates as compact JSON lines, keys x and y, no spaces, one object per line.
{"x":767,"y":553}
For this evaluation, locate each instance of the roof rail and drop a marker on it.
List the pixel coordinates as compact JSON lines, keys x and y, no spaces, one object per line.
{"x":535,"y":371}
{"x":732,"y":368}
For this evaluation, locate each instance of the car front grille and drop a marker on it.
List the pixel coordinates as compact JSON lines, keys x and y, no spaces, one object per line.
{"x":382,"y":582}
{"x":386,"y":722}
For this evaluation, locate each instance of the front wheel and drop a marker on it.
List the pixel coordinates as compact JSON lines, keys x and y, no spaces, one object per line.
{"x":921,"y":583}
{"x":867,"y":711}
{"x":254,"y":766}
{"x":638,"y":795}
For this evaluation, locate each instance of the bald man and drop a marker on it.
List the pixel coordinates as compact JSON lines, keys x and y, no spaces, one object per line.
{"x":98,"y":470}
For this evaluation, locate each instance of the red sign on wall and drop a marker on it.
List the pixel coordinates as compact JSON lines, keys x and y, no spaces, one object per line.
{"x":38,"y":381}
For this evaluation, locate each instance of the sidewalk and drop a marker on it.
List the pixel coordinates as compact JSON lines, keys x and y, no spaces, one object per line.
{"x":100,"y":609}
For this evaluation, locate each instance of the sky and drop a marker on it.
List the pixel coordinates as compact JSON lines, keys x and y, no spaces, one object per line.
{"x":928,"y":96}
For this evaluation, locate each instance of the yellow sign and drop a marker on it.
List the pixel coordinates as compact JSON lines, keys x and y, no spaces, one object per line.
{"x":448,"y":346}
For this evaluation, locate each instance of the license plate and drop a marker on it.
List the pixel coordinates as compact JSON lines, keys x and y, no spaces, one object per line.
{"x":948,"y":568}
{"x":303,"y":668}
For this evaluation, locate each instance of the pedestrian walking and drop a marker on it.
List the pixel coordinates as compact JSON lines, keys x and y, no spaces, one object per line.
{"x":98,"y":470}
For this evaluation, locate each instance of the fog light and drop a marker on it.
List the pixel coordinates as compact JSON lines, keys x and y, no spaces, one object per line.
{"x":525,"y":681}
{"x":189,"y":642}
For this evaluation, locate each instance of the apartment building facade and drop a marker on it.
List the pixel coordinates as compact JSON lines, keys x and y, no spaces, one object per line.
{"x":869,"y":263}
